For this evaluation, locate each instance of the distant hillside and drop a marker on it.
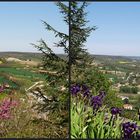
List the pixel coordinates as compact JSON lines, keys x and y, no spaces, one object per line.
{"x":25,"y":55}
{"x":37,"y":56}
{"x":115,"y":58}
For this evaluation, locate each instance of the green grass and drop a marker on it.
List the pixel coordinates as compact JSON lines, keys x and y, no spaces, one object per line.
{"x":21,"y":72}
{"x":5,"y":80}
{"x":2,"y":95}
{"x":115,"y":78}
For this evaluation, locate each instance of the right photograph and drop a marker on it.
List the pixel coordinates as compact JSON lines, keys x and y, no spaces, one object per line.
{"x":104,"y":70}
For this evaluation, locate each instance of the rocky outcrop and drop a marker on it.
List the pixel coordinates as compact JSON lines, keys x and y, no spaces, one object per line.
{"x":38,"y":101}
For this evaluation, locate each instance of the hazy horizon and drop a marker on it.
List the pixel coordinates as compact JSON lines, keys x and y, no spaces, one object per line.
{"x":65,"y":54}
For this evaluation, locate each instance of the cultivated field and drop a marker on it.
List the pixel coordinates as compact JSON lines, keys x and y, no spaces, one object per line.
{"x":32,"y":109}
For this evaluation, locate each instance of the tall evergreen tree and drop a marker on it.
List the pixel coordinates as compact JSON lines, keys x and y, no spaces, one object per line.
{"x":52,"y":62}
{"x":79,"y":32}
{"x":78,"y":35}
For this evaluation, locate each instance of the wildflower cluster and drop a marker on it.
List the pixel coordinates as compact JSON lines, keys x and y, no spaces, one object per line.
{"x":75,"y":89}
{"x":115,"y":111}
{"x":95,"y":101}
{"x":128,"y":129}
{"x":5,"y":108}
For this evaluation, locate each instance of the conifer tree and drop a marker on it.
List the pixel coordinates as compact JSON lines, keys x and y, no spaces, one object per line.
{"x":79,"y":33}
{"x":80,"y":58}
{"x":52,"y":61}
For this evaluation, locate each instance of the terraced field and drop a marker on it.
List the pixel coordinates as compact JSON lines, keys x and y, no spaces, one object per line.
{"x":4,"y":80}
{"x":20,"y":72}
{"x":17,"y":77}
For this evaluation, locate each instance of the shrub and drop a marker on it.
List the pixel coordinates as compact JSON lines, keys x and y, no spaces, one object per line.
{"x":128,"y":89}
{"x":92,"y":77}
{"x":130,"y":114}
{"x":111,"y":99}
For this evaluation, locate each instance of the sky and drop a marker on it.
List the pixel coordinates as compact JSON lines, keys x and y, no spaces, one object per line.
{"x":118,"y":31}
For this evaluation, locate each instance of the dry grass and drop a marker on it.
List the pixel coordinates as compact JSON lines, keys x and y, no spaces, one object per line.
{"x":30,"y":63}
{"x":24,"y":123}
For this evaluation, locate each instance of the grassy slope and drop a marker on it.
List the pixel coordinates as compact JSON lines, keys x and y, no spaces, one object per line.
{"x":51,"y":128}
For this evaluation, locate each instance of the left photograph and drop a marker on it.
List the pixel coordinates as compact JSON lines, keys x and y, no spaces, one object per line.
{"x":34,"y":80}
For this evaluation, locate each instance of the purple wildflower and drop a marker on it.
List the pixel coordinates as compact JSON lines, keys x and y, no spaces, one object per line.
{"x":96,"y":102}
{"x":115,"y":111}
{"x":85,"y":90}
{"x":5,"y":108}
{"x":75,"y":89}
{"x":128,"y":129}
{"x":84,"y":87}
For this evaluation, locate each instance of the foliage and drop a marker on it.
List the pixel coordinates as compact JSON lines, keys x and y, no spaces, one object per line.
{"x":97,"y":123}
{"x":86,"y":124}
{"x":111,"y":99}
{"x":23,"y":123}
{"x":128,"y":89}
{"x":53,"y":62}
{"x":137,"y":104}
{"x":92,"y":77}
{"x":130,"y":114}
{"x":20,"y":72}
{"x":88,"y":118}
{"x":79,"y":33}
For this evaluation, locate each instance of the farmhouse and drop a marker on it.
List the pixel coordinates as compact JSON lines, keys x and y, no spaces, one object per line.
{"x":123,"y":97}
{"x":128,"y":106}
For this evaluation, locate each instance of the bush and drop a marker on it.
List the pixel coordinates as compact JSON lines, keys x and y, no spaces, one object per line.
{"x":130,"y":114}
{"x":128,"y":89}
{"x":111,"y":100}
{"x":92,"y":77}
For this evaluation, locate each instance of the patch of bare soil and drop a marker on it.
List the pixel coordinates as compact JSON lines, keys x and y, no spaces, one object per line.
{"x":28,"y":62}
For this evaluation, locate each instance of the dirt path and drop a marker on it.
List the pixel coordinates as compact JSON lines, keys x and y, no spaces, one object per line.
{"x":34,"y":85}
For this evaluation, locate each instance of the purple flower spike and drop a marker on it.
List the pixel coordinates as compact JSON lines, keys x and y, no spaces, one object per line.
{"x":85,"y":90}
{"x":128,"y":129}
{"x":75,"y":89}
{"x":5,"y":108}
{"x":115,"y":111}
{"x":96,"y":102}
{"x":84,"y":87}
{"x":133,"y":125}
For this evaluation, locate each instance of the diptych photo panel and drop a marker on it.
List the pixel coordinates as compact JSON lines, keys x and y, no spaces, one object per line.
{"x":105,"y":70}
{"x":70,"y":70}
{"x":34,"y":70}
